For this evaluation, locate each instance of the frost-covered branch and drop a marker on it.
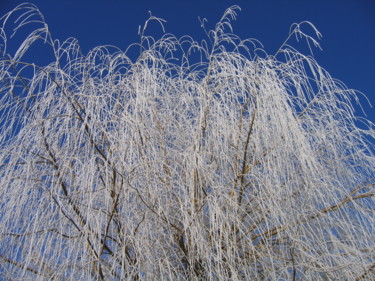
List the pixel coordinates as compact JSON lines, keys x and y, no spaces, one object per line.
{"x":192,"y":161}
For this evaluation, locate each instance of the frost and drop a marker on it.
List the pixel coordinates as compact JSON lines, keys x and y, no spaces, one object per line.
{"x":195,"y":161}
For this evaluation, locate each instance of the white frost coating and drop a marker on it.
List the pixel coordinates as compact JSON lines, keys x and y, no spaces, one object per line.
{"x":219,"y":165}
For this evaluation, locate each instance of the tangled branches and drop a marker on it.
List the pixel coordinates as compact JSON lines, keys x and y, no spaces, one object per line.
{"x":194,"y":161}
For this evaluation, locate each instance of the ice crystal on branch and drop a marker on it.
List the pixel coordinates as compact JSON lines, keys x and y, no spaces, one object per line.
{"x":194,"y":161}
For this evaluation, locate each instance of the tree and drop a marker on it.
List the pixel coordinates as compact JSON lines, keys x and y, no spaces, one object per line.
{"x":223,"y":164}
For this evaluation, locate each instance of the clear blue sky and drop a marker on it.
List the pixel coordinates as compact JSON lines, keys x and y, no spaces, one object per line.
{"x":348,"y":27}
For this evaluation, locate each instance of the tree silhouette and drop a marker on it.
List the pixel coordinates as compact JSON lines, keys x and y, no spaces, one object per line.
{"x":193,"y":161}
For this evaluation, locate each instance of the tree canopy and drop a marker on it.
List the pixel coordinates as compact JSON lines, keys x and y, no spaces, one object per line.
{"x":195,"y":160}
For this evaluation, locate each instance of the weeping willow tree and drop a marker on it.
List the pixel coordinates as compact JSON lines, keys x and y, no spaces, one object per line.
{"x":192,"y":161}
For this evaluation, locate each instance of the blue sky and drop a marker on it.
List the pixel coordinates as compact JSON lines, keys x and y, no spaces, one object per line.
{"x":347,"y":26}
